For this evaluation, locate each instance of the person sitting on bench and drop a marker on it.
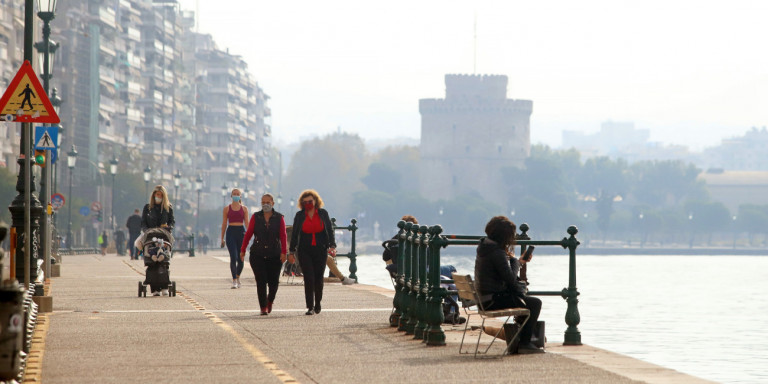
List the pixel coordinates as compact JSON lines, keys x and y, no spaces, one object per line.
{"x":496,"y":276}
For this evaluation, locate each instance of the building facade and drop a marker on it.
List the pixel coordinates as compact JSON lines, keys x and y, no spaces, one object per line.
{"x":470,"y":135}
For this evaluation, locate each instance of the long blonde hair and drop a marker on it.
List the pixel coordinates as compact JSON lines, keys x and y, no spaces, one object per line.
{"x":166,"y":203}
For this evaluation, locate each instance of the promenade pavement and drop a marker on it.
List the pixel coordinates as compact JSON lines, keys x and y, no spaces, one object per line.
{"x":101,"y":332}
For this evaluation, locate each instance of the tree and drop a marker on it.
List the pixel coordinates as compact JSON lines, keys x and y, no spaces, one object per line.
{"x":382,"y":178}
{"x":666,"y":183}
{"x":333,"y":166}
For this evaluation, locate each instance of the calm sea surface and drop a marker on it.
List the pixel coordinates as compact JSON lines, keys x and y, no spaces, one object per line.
{"x":703,"y":315}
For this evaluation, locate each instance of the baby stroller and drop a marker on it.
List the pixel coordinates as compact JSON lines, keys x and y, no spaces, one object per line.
{"x":158,"y":248}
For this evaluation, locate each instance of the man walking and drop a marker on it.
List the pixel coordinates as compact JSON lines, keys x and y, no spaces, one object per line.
{"x":134,"y":230}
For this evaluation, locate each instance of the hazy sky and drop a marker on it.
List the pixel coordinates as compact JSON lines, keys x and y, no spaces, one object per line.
{"x":693,"y":72}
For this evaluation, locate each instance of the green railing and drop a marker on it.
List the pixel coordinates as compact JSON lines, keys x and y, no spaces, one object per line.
{"x":352,"y":227}
{"x":418,"y":295}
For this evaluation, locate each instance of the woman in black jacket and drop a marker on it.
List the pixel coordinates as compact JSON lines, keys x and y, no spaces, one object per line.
{"x":312,"y":239}
{"x":157,"y":214}
{"x":496,"y":276}
{"x":268,"y":250}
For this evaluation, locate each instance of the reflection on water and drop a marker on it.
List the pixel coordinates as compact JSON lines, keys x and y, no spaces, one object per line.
{"x":702,"y":315}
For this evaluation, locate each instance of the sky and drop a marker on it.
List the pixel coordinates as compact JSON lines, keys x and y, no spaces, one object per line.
{"x":692,"y":72}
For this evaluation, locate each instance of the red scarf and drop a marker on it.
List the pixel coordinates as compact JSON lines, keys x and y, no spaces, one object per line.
{"x":312,"y":225}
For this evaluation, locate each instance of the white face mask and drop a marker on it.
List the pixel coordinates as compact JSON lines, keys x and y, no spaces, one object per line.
{"x":158,"y":200}
{"x":266,"y":207}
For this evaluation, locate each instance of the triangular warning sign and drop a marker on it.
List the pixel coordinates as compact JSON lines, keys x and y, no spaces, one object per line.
{"x":25,"y":101}
{"x":45,"y":142}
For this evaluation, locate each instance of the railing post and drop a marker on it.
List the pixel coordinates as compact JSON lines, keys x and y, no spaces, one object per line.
{"x":352,"y":255}
{"x":434,"y":333}
{"x":413,"y":285}
{"x":394,"y":320}
{"x":572,"y":318}
{"x":405,"y":265}
{"x":191,"y":245}
{"x":421,"y":288}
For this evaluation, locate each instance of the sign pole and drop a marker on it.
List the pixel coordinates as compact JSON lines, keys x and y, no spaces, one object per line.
{"x":47,"y":210}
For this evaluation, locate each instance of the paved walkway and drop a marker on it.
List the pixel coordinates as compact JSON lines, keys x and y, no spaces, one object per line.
{"x":101,"y":332}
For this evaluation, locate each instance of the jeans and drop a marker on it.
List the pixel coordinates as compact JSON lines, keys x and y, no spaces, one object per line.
{"x":267,"y":273}
{"x":312,"y":260}
{"x":234,"y":237}
{"x":510,"y":301}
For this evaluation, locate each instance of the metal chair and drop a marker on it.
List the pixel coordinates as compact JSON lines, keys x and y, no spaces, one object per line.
{"x":469,"y":298}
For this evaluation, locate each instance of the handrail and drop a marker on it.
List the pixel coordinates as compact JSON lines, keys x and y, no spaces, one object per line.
{"x":352,"y":227}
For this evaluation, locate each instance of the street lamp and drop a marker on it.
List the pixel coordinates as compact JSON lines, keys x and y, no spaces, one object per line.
{"x":224,"y":190}
{"x":113,"y":171}
{"x":176,"y":183}
{"x":198,"y":188}
{"x":71,"y":160}
{"x":147,"y":175}
{"x":290,"y":208}
{"x":245,"y":196}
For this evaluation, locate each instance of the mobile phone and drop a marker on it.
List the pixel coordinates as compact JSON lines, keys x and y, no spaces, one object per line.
{"x":528,"y":253}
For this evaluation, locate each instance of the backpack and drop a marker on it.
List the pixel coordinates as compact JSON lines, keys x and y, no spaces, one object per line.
{"x":390,"y":250}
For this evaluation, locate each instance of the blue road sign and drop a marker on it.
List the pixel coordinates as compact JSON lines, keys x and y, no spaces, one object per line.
{"x":46,"y":136}
{"x":85,"y":211}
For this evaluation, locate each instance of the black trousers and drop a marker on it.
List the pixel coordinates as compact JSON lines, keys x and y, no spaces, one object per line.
{"x":510,"y":301}
{"x":267,"y":273}
{"x":312,"y":260}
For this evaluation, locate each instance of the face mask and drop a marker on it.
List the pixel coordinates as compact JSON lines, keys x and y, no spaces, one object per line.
{"x":308,"y":205}
{"x":235,"y":198}
{"x":158,"y":200}
{"x":266,"y":207}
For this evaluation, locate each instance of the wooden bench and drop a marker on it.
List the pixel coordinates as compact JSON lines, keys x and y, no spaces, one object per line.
{"x":469,"y":297}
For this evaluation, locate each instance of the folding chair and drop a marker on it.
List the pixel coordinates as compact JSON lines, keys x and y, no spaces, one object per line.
{"x":289,"y":271}
{"x":469,"y":297}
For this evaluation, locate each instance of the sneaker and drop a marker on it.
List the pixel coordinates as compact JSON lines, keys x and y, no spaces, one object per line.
{"x":164,"y":292}
{"x":155,"y":293}
{"x":529,"y":348}
{"x":234,"y":284}
{"x":269,"y":307}
{"x":310,"y":312}
{"x":238,"y":283}
{"x":347,"y":281}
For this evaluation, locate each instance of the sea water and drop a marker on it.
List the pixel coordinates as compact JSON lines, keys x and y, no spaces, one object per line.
{"x":706,"y":316}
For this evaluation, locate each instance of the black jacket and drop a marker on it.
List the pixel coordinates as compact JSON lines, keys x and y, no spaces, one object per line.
{"x":494,"y":274}
{"x":134,"y":225}
{"x":156,"y":216}
{"x":266,"y":239}
{"x":298,"y":220}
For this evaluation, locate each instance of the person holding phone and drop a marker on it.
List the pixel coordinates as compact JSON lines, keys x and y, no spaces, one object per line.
{"x":497,"y":276}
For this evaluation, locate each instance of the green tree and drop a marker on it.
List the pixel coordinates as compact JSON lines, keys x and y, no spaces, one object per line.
{"x":666,"y":183}
{"x":333,"y":166}
{"x":382,"y":177}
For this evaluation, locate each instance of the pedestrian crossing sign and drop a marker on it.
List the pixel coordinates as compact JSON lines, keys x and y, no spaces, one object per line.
{"x":45,"y":137}
{"x":25,"y":100}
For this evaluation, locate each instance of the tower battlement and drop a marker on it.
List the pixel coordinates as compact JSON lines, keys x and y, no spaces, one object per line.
{"x":488,"y":87}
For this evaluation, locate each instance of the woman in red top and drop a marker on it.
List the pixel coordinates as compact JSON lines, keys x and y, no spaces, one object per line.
{"x":312,"y":240}
{"x":268,"y":250}
{"x":236,"y":215}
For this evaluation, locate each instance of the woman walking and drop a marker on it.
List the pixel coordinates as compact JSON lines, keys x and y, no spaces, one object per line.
{"x":234,"y":221}
{"x":158,"y":213}
{"x":267,"y":252}
{"x":312,"y":240}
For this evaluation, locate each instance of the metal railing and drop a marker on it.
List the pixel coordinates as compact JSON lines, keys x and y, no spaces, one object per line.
{"x":418,"y":294}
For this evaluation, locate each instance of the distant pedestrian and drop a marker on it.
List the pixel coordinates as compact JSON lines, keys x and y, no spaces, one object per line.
{"x":103,"y":242}
{"x":268,"y":252}
{"x":312,"y":240}
{"x":120,"y":242}
{"x":234,"y":222}
{"x":134,"y":230}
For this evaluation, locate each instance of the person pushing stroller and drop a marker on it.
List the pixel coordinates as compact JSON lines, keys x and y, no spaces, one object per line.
{"x":156,"y":240}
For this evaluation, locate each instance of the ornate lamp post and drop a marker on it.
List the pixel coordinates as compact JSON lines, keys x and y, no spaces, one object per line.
{"x":176,"y":183}
{"x":147,"y":175}
{"x":113,"y":171}
{"x":198,"y":188}
{"x":224,"y":190}
{"x":71,"y":161}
